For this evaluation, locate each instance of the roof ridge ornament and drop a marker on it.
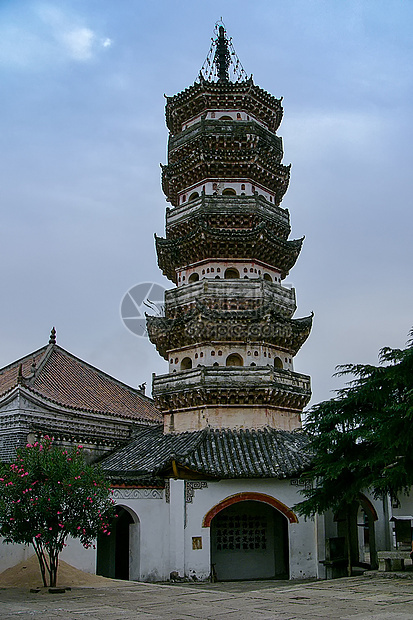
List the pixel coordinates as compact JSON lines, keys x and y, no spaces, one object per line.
{"x":52,"y":339}
{"x":222,"y":63}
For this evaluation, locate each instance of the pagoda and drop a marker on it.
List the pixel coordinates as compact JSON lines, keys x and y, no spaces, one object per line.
{"x":228,"y":331}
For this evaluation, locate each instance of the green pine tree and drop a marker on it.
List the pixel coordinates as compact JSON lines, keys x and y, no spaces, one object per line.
{"x":363,"y":438}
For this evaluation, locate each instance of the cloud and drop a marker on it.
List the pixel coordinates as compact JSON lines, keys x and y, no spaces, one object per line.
{"x":48,"y":35}
{"x":79,"y":43}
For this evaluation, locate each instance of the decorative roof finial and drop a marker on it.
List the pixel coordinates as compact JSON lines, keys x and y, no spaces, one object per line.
{"x":222,"y":57}
{"x":222,"y":63}
{"x":52,"y":339}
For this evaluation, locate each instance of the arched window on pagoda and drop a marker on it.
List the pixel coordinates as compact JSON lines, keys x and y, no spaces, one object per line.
{"x":229,"y":191}
{"x":186,"y":363}
{"x":278,"y":363}
{"x":267,"y":277}
{"x":193,"y":196}
{"x":234,"y":360}
{"x":225,"y":118}
{"x":231,"y":273}
{"x":194,"y":277}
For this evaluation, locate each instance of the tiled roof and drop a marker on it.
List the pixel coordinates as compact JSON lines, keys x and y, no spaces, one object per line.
{"x":217,"y":453}
{"x":66,"y":380}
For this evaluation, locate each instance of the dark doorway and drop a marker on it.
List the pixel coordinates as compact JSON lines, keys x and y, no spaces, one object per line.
{"x":359,"y":533}
{"x":113,"y":551}
{"x":249,"y":540}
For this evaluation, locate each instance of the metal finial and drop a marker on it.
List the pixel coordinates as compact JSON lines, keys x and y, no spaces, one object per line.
{"x":222,"y":63}
{"x":222,"y":57}
{"x":52,"y":339}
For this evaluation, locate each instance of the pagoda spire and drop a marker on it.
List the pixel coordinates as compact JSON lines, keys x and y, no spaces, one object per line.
{"x":222,"y":63}
{"x":222,"y":56}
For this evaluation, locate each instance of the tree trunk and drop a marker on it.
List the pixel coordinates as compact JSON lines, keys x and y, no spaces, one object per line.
{"x":348,"y":532}
{"x":42,"y":564}
{"x":54,"y":564}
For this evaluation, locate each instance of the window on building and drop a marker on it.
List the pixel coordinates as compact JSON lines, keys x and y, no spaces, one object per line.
{"x":194,"y":277}
{"x":194,"y":196}
{"x":278,"y":362}
{"x":234,"y":360}
{"x":229,"y":191}
{"x":186,"y":363}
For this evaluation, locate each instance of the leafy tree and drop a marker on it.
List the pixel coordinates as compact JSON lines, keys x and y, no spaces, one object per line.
{"x":363,"y":439}
{"x":48,"y":494}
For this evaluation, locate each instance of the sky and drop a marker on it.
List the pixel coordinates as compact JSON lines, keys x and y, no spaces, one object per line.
{"x":82,"y":134}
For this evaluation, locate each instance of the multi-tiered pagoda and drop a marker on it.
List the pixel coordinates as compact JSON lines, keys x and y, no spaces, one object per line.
{"x":228,"y":332}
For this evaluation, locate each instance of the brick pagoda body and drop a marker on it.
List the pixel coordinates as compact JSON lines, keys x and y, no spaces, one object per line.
{"x":228,"y":331}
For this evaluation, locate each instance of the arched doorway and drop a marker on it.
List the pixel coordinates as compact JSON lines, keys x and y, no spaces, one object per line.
{"x":234,"y":360}
{"x":231,"y":273}
{"x":359,"y":532}
{"x":249,"y":540}
{"x":186,"y":363}
{"x":118,"y":553}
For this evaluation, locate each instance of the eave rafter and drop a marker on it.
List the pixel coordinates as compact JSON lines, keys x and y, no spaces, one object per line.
{"x":204,"y":242}
{"x":204,"y":95}
{"x":201,"y":324}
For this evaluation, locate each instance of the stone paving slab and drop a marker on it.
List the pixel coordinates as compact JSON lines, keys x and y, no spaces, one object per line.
{"x":355,"y":598}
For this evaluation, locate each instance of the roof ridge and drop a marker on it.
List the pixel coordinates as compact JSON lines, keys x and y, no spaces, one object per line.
{"x":23,"y":359}
{"x":37,"y":371}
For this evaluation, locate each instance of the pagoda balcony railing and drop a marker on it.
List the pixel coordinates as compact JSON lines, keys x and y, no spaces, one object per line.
{"x":255,"y":204}
{"x":221,"y":290}
{"x":235,"y":129}
{"x":225,"y":377}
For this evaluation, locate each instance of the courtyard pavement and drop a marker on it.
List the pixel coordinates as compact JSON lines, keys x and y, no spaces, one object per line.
{"x":355,"y":598}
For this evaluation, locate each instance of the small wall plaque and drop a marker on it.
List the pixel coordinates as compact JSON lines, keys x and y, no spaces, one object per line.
{"x":196,"y":542}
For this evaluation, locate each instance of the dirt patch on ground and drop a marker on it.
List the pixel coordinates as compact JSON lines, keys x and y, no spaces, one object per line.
{"x":27,"y":574}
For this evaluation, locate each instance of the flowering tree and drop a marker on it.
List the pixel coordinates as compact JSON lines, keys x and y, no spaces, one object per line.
{"x":48,"y":494}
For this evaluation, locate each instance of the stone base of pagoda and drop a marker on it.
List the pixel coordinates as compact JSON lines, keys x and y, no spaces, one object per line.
{"x":231,"y":397}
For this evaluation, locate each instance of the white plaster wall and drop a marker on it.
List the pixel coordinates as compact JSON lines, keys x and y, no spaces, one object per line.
{"x":12,"y":554}
{"x":153,"y":515}
{"x":216,"y":114}
{"x":209,"y":355}
{"x":215,"y":269}
{"x":76,"y":555}
{"x":215,"y":187}
{"x":381,"y":526}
